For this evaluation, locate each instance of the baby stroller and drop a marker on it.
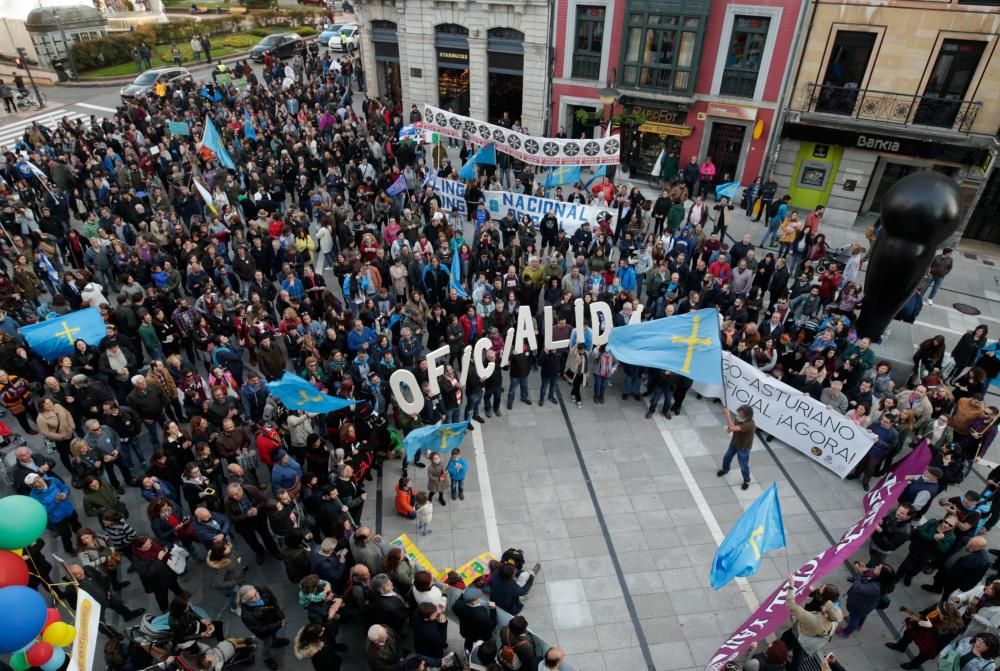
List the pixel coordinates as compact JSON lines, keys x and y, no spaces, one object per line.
{"x":840,"y":256}
{"x":230,"y":652}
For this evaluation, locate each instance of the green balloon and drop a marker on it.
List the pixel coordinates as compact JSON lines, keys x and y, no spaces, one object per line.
{"x":19,"y":662}
{"x":22,"y":521}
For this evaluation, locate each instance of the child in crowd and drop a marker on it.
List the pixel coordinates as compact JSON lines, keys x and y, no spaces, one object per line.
{"x":404,"y":498}
{"x":424,"y":508}
{"x":457,"y":469}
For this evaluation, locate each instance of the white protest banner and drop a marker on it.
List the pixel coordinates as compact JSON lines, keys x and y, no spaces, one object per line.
{"x":88,"y":618}
{"x":570,"y":215}
{"x":793,"y":417}
{"x":527,"y":148}
{"x":450,"y":193}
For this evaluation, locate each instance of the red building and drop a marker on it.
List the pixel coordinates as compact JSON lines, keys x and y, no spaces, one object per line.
{"x":705,"y":76}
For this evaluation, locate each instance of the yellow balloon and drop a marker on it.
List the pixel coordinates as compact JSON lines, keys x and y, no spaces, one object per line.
{"x":59,"y":634}
{"x":18,"y":551}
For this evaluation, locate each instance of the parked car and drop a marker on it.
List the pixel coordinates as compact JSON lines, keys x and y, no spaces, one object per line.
{"x":331,"y":30}
{"x":352,"y":35}
{"x":312,"y":2}
{"x":283,"y":45}
{"x":148,"y":80}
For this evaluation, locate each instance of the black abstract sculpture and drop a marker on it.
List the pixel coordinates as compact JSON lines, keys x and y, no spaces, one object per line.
{"x":919,"y":212}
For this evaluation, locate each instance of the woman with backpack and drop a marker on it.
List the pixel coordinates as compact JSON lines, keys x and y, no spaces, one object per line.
{"x":517,"y":650}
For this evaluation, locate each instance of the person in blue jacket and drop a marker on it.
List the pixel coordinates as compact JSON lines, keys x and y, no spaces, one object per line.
{"x":457,"y":470}
{"x":210,"y":527}
{"x":286,"y":473}
{"x":359,"y":336}
{"x":54,"y":495}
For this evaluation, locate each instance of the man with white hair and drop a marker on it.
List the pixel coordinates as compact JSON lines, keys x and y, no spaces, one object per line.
{"x":27,"y":463}
{"x":383,"y":648}
{"x":148,"y":400}
{"x":262,"y":615}
{"x":106,"y":442}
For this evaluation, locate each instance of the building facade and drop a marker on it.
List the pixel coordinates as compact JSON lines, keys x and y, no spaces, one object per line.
{"x":704,"y":77}
{"x":884,"y":89}
{"x":53,"y":30}
{"x":479,"y":58}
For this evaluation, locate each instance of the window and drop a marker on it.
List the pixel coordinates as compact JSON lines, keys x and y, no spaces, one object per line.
{"x":589,"y":42}
{"x":746,"y":50}
{"x":661,"y":51}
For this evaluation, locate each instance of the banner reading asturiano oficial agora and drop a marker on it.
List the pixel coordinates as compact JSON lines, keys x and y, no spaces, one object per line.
{"x":792,"y":416}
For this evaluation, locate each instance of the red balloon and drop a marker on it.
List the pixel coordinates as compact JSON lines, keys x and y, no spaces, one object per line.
{"x":39,"y":653}
{"x":51,"y":615}
{"x":13,"y":570}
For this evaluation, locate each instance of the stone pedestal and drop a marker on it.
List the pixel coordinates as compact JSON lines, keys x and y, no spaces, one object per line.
{"x":897,"y":347}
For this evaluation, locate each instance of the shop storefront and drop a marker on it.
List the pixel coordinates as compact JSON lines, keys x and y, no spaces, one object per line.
{"x":727,"y":136}
{"x":850,"y":171}
{"x":451,"y":42}
{"x":505,"y":63}
{"x":386,"y":45}
{"x":663,"y":130}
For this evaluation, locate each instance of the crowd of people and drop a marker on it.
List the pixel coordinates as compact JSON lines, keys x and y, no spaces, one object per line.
{"x":300,"y":260}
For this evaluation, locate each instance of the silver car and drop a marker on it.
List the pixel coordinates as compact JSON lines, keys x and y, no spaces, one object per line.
{"x":148,"y":80}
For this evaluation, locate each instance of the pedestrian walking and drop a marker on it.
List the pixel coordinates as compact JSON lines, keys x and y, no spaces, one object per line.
{"x":263,"y":616}
{"x":196,"y":47}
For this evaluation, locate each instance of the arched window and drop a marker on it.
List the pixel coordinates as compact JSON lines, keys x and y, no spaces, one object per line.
{"x":451,"y":29}
{"x":505,"y":34}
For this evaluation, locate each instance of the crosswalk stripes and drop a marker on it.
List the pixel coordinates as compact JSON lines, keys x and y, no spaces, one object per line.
{"x":10,"y":133}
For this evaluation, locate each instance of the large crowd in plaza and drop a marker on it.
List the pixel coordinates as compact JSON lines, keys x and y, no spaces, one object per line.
{"x":302,"y":262}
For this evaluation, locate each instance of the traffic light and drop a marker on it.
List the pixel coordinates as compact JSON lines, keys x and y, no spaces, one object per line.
{"x":19,"y":62}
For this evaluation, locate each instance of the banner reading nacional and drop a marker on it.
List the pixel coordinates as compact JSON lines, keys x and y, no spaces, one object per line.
{"x":570,"y":215}
{"x":793,"y":417}
{"x":449,"y":192}
{"x":773,"y":613}
{"x":527,"y":148}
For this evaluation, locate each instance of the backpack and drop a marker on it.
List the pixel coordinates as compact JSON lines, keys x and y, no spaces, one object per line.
{"x":513,"y":556}
{"x":772,"y":208}
{"x":507,"y":653}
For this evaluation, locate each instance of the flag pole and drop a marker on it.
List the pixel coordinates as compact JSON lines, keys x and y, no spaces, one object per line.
{"x":722,"y":372}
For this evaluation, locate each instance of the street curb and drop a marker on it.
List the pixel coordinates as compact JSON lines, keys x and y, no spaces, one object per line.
{"x":101,"y":82}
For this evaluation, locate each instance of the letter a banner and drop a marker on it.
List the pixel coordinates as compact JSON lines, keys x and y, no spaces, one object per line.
{"x":773,"y":613}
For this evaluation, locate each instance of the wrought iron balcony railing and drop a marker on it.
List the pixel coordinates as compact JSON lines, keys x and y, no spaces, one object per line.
{"x":895,"y":108}
{"x":586,"y":65}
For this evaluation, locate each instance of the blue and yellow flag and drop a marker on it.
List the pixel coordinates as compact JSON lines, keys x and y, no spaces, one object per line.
{"x":687,"y":344}
{"x":213,"y":142}
{"x":297,"y":394}
{"x":759,"y":530}
{"x":441,"y":438}
{"x":486,"y":155}
{"x":54,"y":337}
{"x":563,"y":175}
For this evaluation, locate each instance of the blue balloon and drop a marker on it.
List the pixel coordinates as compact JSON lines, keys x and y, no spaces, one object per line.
{"x":19,"y":630}
{"x":57,"y":659}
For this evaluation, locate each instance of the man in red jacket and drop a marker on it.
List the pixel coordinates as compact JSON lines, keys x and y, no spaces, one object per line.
{"x":829,"y":282}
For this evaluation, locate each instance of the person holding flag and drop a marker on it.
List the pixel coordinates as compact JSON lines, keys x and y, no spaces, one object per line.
{"x":743,"y":430}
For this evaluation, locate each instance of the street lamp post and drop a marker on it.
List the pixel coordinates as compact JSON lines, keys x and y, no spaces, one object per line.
{"x":23,"y":53}
{"x":608,"y":96}
{"x":69,"y":47}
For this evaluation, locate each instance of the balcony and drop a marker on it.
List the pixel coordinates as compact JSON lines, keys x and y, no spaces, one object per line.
{"x":902,"y":109}
{"x":586,"y":65}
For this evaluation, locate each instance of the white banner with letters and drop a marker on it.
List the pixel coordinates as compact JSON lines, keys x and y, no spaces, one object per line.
{"x":88,"y":619}
{"x":825,"y":435}
{"x":570,"y":215}
{"x":449,"y":192}
{"x":527,"y":148}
